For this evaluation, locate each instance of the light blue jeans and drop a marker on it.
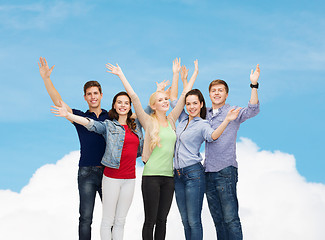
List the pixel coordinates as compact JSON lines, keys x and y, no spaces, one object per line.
{"x":221,"y":192}
{"x":189,"y":192}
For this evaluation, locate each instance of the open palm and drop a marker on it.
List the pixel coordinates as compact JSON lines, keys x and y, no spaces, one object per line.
{"x":114,"y":69}
{"x":44,"y":69}
{"x":255,"y":74}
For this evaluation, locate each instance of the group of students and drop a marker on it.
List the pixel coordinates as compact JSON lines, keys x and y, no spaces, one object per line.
{"x":111,"y":141}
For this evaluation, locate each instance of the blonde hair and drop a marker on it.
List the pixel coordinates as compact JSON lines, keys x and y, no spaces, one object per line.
{"x":154,"y":133}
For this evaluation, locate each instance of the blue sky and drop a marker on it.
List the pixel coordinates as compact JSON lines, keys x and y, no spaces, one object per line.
{"x":227,"y":37}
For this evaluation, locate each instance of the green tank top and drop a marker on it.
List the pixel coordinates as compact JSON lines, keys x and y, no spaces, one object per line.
{"x":160,"y":161}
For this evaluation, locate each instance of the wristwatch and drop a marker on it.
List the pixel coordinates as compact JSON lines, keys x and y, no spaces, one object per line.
{"x":254,"y":86}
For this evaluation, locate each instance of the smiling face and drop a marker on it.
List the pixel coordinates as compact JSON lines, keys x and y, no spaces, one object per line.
{"x":218,"y":95}
{"x":93,"y":97}
{"x":159,"y":102}
{"x":193,"y":106}
{"x":122,"y":105}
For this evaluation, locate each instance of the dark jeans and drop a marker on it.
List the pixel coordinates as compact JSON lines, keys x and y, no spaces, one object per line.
{"x":223,"y":204}
{"x":157,"y":193}
{"x":89,"y":182}
{"x":189,"y":191}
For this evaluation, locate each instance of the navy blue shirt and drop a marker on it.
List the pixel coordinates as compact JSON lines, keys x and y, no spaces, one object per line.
{"x":92,"y":145}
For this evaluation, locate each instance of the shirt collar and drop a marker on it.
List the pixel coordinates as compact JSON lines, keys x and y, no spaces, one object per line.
{"x":195,"y":119}
{"x":225,"y":106}
{"x":89,"y":112}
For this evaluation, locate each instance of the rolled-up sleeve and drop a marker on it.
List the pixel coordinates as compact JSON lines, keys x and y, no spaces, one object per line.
{"x":207,"y":131}
{"x":248,"y":112}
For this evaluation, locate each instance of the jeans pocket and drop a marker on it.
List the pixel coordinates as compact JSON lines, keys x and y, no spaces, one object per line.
{"x":195,"y":174}
{"x":84,"y":172}
{"x":227,"y":172}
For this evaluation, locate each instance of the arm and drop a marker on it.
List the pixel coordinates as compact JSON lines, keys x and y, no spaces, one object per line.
{"x":174,"y":87}
{"x":45,"y":72}
{"x":253,"y":107}
{"x":184,"y":75}
{"x":141,"y":115}
{"x":187,"y":86}
{"x":91,"y":125}
{"x":254,"y":78}
{"x":231,"y":115}
{"x":116,"y":70}
{"x":63,"y":112}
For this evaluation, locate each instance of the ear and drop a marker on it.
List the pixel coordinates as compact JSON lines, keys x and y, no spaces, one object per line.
{"x":153,"y":107}
{"x":201,"y":105}
{"x":85,"y":98}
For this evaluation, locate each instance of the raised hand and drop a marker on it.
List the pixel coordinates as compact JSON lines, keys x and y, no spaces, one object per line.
{"x":161,"y":86}
{"x":255,"y":74}
{"x":196,"y":65}
{"x":188,"y":85}
{"x":114,"y":69}
{"x":232,"y":114}
{"x":176,"y":65}
{"x":184,"y":73}
{"x":44,"y":69}
{"x":168,"y":92}
{"x":184,"y":77}
{"x":60,"y":111}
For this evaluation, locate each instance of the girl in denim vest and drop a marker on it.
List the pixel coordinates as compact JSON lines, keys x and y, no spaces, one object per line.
{"x":124,"y":142}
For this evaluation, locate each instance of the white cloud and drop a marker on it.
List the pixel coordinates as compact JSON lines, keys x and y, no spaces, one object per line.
{"x":275,"y":202}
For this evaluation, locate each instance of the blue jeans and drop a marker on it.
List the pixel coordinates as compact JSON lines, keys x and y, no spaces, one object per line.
{"x":189,"y":191}
{"x":221,"y":192}
{"x":89,"y":182}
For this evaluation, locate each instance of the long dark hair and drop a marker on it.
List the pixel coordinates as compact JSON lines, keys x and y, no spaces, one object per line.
{"x":198,"y":93}
{"x":114,"y":115}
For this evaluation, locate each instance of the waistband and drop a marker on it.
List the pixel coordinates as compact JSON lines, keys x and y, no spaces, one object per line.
{"x":196,"y":166}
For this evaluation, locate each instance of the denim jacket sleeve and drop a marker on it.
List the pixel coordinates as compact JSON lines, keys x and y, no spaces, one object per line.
{"x":148,"y":110}
{"x":96,"y":126}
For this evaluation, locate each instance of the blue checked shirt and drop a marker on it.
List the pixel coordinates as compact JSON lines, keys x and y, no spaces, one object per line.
{"x":221,"y":153}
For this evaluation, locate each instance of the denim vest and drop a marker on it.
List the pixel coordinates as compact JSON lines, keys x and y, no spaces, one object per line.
{"x":114,"y":134}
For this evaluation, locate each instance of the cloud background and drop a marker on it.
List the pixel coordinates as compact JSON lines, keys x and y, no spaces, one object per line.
{"x":276,"y":202}
{"x":281,"y":167}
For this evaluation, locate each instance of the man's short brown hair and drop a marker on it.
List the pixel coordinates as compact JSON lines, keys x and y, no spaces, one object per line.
{"x":219,"y":81}
{"x":90,"y":84}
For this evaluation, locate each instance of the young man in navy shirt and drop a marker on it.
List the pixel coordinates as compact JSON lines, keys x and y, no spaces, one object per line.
{"x":92,"y":147}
